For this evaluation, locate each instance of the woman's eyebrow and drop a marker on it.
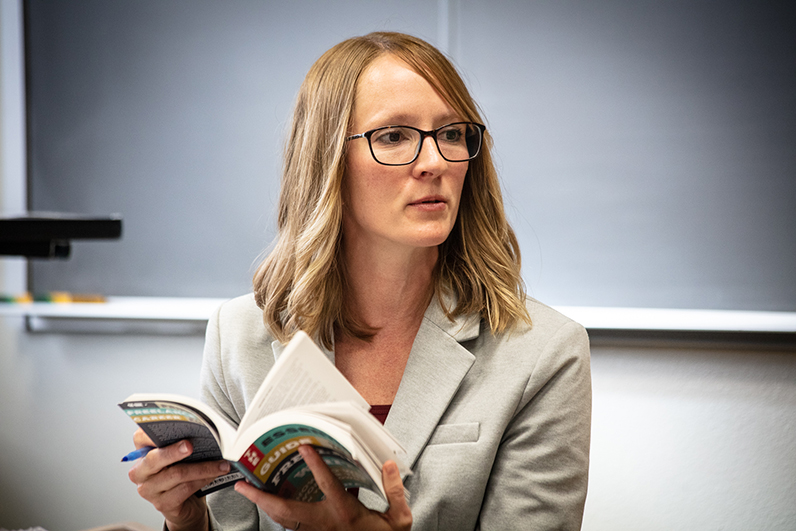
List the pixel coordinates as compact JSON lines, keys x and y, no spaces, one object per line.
{"x":410,"y":119}
{"x":381,"y":120}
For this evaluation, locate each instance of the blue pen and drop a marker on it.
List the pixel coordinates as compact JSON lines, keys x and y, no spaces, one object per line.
{"x":137,"y":454}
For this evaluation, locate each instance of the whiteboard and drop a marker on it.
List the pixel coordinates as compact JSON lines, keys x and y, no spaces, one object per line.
{"x":646,"y":149}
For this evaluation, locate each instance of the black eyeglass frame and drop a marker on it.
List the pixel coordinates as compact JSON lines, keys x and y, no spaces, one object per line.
{"x":423,"y":135}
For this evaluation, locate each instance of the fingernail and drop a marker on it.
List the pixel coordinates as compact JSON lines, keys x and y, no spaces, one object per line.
{"x":183,"y":447}
{"x":223,"y":467}
{"x":302,"y":451}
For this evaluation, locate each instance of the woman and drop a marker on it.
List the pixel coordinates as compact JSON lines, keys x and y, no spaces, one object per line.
{"x":395,"y":254}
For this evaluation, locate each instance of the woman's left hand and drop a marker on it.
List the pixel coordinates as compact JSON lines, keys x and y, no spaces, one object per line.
{"x":339,"y":510}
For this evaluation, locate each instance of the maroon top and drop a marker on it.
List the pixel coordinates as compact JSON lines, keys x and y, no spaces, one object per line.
{"x":380,"y":412}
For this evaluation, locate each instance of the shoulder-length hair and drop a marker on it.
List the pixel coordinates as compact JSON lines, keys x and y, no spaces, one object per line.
{"x":301,"y":284}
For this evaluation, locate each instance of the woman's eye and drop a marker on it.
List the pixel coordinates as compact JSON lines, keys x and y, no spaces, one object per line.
{"x":389,"y":137}
{"x":452,"y":135}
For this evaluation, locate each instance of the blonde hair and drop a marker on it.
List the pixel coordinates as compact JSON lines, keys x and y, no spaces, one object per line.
{"x":301,"y":284}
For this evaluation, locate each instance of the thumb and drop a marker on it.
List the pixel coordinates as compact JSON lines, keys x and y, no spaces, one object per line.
{"x":399,"y":514}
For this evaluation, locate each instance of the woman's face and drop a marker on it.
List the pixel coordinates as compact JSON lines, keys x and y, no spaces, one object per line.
{"x":412,"y":206}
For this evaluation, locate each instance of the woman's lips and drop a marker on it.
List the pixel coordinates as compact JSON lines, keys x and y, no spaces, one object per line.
{"x":429,"y":204}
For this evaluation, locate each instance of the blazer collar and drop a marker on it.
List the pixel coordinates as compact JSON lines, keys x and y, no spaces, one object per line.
{"x":462,"y":328}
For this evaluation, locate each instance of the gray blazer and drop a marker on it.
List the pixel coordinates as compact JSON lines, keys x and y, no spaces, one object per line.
{"x":496,"y":427}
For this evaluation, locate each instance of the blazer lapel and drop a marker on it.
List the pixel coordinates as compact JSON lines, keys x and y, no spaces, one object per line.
{"x":434,"y":371}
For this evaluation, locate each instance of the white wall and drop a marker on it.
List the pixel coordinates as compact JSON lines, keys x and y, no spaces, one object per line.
{"x":63,"y":436}
{"x":683,"y":438}
{"x":693,"y":438}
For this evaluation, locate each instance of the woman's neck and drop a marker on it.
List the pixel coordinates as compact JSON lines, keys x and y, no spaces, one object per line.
{"x":389,"y":288}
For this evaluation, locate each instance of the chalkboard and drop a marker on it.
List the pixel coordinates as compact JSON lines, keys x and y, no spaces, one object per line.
{"x":647,"y":149}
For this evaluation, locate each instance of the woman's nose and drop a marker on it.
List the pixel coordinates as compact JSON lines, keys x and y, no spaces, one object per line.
{"x":429,"y":160}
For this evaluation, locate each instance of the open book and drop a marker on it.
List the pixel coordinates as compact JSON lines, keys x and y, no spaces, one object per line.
{"x":303,"y":400}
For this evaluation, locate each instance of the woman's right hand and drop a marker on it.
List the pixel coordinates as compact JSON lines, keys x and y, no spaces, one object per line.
{"x":339,"y":510}
{"x":169,"y":485}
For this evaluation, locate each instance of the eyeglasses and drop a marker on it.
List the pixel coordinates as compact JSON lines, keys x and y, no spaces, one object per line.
{"x":398,"y":145}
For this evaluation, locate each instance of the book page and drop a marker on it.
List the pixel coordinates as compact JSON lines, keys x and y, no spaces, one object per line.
{"x":302,"y":375}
